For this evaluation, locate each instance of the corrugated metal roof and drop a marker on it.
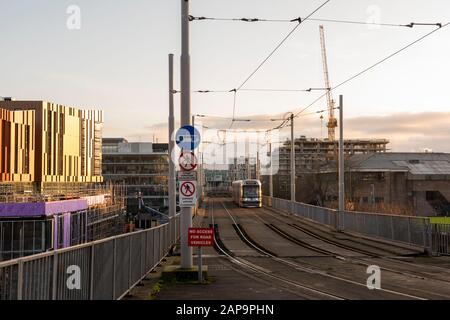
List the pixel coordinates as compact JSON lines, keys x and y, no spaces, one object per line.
{"x":415,"y":163}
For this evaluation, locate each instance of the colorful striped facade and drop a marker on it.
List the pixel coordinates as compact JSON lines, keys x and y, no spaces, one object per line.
{"x":49,"y":143}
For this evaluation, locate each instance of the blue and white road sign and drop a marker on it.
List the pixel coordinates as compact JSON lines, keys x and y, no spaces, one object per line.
{"x":188,"y":138}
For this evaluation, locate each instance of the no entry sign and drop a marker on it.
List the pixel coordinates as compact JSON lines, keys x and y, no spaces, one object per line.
{"x":200,"y":237}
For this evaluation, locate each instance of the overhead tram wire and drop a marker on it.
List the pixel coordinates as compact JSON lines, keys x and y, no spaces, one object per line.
{"x":442,"y":26}
{"x":300,"y":21}
{"x":381,"y":24}
{"x":254,"y":90}
{"x":257,"y":120}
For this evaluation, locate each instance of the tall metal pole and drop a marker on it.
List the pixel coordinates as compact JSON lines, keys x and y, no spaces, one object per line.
{"x":197,"y":154}
{"x":186,"y":213}
{"x":258,"y":177}
{"x":341,"y":162}
{"x":235,"y":173}
{"x":172,"y":179}
{"x":271,"y":176}
{"x":247,"y":157}
{"x":292,"y":160}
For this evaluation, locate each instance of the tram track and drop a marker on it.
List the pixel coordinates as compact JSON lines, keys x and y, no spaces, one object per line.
{"x":249,"y":266}
{"x":311,"y":270}
{"x":356,"y":261}
{"x":370,"y":255}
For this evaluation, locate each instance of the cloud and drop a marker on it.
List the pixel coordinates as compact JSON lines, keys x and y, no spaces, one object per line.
{"x":407,"y":132}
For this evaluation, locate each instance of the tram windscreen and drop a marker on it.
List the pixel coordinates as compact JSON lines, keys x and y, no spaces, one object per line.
{"x":251,"y":192}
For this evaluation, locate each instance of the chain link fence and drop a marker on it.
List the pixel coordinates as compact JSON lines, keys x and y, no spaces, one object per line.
{"x":102,"y":270}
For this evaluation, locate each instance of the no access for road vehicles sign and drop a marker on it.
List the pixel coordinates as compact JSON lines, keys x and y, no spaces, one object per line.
{"x":188,"y":138}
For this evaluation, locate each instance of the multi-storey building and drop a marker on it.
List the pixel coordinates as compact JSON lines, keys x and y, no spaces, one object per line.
{"x":217,"y":181}
{"x":45,"y":143}
{"x":142,"y":167}
{"x":50,"y":175}
{"x":243,"y":168}
{"x":310,"y":155}
{"x":17,"y":139}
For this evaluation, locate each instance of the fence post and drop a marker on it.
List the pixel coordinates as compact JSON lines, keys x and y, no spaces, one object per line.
{"x":20,"y":280}
{"x":378,"y":225}
{"x":91,"y":288}
{"x":392,"y":228}
{"x":129,"y":262}
{"x":114,"y":270}
{"x":429,"y":238}
{"x":55,"y":275}
{"x":409,"y":231}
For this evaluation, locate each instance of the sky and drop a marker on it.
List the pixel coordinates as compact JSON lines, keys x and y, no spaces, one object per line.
{"x":117,"y":62}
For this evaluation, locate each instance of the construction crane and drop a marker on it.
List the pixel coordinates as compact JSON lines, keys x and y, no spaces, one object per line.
{"x":332,"y":121}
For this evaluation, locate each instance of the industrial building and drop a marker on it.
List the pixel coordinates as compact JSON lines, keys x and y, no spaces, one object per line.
{"x":398,"y":183}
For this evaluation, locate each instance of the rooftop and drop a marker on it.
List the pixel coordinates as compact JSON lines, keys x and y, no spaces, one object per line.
{"x":414,"y":163}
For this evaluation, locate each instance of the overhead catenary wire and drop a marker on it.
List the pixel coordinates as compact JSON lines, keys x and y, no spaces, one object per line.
{"x":374,"y":65}
{"x":342,"y":21}
{"x":255,"y":90}
{"x":300,"y":21}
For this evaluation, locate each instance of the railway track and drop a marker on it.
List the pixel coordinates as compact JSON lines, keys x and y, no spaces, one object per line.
{"x":310,"y":269}
{"x":419,"y":275}
{"x":249,"y":266}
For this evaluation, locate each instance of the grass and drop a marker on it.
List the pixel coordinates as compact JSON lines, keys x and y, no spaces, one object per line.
{"x":156,"y":289}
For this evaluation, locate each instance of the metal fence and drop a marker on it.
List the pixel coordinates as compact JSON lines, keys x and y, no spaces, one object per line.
{"x":441,"y":238}
{"x":102,"y":270}
{"x":409,"y":230}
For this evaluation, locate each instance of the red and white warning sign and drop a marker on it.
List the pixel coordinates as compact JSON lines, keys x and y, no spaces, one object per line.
{"x":201,"y":237}
{"x":188,"y":193}
{"x":188,"y":161}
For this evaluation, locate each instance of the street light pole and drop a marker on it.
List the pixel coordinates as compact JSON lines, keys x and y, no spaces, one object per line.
{"x":341,"y":163}
{"x":172,"y":180}
{"x":186,"y":213}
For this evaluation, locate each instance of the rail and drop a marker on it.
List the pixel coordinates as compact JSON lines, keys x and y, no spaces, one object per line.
{"x":106,"y":269}
{"x":410,"y":230}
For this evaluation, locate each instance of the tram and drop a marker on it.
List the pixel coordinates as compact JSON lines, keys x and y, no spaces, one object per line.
{"x":247,"y":193}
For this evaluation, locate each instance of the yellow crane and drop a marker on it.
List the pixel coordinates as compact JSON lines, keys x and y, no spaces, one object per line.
{"x":332,"y":121}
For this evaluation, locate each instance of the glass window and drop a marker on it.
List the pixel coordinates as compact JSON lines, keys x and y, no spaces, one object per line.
{"x":251,"y":191}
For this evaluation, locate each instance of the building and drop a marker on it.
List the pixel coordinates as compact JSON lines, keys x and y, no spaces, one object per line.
{"x":17,"y":146}
{"x":142,"y":167}
{"x":51,"y":194}
{"x":310,"y":155}
{"x":393,"y":183}
{"x":242,"y":168}
{"x":47,"y":143}
{"x":309,"y":152}
{"x":30,"y":225}
{"x":217,"y":181}
{"x":409,"y":183}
